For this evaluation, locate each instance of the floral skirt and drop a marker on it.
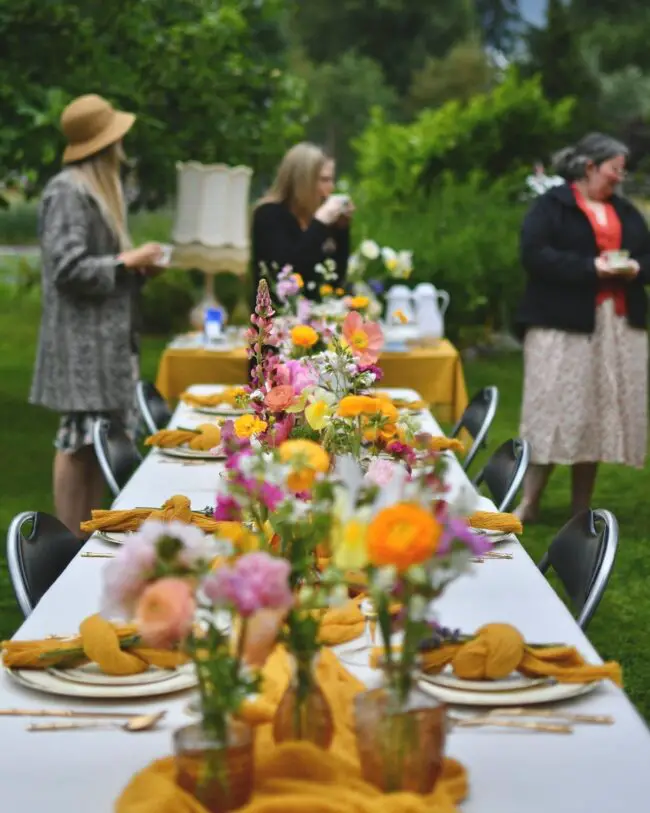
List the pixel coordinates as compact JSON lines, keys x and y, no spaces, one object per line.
{"x":76,"y":428}
{"x":586,"y":396}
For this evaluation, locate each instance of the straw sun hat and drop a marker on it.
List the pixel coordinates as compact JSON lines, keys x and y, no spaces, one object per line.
{"x":90,"y":124}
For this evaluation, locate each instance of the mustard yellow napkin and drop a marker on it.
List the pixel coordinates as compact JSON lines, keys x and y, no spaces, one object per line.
{"x":443,"y":444}
{"x":496,"y":521}
{"x":175,"y":508}
{"x":98,"y":641}
{"x":228,"y":397}
{"x":500,"y":649}
{"x":298,"y":777}
{"x":202,"y":439}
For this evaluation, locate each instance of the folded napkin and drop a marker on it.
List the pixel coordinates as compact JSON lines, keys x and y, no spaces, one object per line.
{"x":297,"y":777}
{"x":496,"y":521}
{"x":175,"y":508}
{"x":342,"y":624}
{"x":202,"y":439}
{"x":215,"y":399}
{"x":500,"y":649}
{"x":443,"y":444}
{"x":98,"y":641}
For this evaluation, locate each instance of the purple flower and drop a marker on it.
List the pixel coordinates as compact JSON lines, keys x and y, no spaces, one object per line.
{"x":257,"y":581}
{"x":376,"y":286}
{"x":456,"y":529}
{"x":271,"y":495}
{"x":374,"y":369}
{"x":227,"y":509}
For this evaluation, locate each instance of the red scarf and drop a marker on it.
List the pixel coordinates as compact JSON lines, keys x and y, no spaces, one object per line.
{"x":608,"y":238}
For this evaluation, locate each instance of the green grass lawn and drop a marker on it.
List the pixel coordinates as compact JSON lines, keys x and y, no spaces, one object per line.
{"x":618,"y":630}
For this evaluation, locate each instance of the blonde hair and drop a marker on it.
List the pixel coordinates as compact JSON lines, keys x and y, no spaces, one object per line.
{"x":296,"y":181}
{"x":99,"y":175}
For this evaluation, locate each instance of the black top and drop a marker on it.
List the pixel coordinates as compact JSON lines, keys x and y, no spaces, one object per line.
{"x":558,"y":249}
{"x":279,"y":240}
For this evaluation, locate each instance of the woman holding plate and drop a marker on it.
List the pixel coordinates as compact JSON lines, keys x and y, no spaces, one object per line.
{"x":87,"y":361}
{"x":586,"y":252}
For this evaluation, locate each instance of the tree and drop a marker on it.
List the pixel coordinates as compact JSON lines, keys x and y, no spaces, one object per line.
{"x":500,"y":22}
{"x":397,"y":34}
{"x":208,"y":81}
{"x":464,"y":72}
{"x":556,"y":53}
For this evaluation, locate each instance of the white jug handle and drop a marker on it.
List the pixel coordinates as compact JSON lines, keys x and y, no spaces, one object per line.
{"x":444,"y":298}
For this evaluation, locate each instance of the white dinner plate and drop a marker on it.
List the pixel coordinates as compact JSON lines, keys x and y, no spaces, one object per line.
{"x":91,"y":674}
{"x":114,"y":537}
{"x":535,"y":695}
{"x":222,"y":409}
{"x":513,"y":682}
{"x":186,"y":453}
{"x":44,"y":681}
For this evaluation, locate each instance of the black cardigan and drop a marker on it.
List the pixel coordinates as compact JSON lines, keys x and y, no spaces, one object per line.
{"x":279,"y":240}
{"x":558,"y":249}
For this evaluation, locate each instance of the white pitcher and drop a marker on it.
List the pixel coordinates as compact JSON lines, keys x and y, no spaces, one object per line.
{"x":399,"y":298}
{"x":430,"y":308}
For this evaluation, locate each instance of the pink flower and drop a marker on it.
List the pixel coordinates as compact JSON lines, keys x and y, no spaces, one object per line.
{"x":298,"y":374}
{"x":279,"y":432}
{"x":279,"y":398}
{"x":380,"y":471}
{"x":257,"y":581}
{"x":365,"y":339}
{"x":374,"y":369}
{"x":126,"y":576}
{"x":165,"y":612}
{"x":227,"y":509}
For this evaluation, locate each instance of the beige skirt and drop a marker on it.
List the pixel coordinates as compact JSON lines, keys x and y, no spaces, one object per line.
{"x":586,"y":397}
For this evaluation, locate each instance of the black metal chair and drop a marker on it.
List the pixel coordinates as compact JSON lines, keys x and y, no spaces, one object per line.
{"x":153,"y":408}
{"x":476,"y":420}
{"x":582,"y":556}
{"x":504,"y":472}
{"x":117,"y":454}
{"x":39,"y":548}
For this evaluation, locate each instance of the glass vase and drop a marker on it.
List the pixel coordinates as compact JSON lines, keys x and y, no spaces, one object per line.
{"x":400,"y":744}
{"x":219,"y":774}
{"x":304,"y":712}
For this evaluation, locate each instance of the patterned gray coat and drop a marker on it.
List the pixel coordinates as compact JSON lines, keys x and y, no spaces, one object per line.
{"x":86,"y":338}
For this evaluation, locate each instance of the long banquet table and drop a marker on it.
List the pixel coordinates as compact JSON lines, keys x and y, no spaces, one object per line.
{"x":597,"y":769}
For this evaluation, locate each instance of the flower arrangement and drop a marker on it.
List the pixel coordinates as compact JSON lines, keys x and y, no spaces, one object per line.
{"x":165,"y":578}
{"x":371,"y":262}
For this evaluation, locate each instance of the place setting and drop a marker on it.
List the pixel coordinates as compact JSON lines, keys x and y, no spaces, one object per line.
{"x":200,"y":444}
{"x":230,"y":401}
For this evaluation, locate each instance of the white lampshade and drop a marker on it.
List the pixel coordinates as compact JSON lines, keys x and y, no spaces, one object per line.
{"x":212,"y":205}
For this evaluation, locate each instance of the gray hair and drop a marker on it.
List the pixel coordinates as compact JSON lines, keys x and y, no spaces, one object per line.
{"x":571,"y":162}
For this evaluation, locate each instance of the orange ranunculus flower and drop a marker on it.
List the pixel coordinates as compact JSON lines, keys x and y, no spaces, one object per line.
{"x":403,"y":535}
{"x":354,"y":405}
{"x":307,"y":459}
{"x":326,"y":290}
{"x":165,"y":612}
{"x":304,"y":336}
{"x":279,"y":398}
{"x":359,"y":302}
{"x":386,"y":432}
{"x":388,"y":409}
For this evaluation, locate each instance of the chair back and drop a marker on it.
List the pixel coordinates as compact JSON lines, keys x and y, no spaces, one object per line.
{"x":582,"y":556}
{"x":476,"y":420}
{"x":153,"y":408}
{"x":504,"y":472}
{"x":39,"y":548}
{"x":117,"y":454}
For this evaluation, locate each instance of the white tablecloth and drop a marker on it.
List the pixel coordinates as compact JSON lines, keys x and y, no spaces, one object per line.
{"x":594,"y":770}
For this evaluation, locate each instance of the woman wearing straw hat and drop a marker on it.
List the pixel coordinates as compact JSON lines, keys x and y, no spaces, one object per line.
{"x":86,"y":365}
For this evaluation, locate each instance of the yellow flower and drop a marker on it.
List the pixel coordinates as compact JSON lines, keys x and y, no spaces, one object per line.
{"x":304,"y":336}
{"x":339,"y":291}
{"x":358,"y":303}
{"x":400,"y":316}
{"x":306,"y":459}
{"x":403,"y":535}
{"x":248,"y":425}
{"x":317,"y":415}
{"x":353,"y":405}
{"x":391,"y":263}
{"x":299,"y":280}
{"x":326,"y":290}
{"x":349,"y":541}
{"x":359,"y":340}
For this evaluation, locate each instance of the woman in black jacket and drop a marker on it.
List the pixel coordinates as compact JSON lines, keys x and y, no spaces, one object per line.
{"x":586,"y":252}
{"x":300,"y":223}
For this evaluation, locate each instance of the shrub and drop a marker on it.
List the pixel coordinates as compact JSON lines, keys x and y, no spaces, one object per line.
{"x":167,"y":301}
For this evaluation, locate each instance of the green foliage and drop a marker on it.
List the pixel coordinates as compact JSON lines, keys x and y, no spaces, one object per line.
{"x":497,"y":133}
{"x":464,"y":72}
{"x":464,"y":237}
{"x":167,"y":301}
{"x":207,"y":81}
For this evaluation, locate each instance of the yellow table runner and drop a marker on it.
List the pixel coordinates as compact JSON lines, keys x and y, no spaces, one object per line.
{"x":435,"y":372}
{"x":297,"y":777}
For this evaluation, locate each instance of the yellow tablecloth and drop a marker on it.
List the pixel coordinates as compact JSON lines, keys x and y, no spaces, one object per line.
{"x":435,"y":372}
